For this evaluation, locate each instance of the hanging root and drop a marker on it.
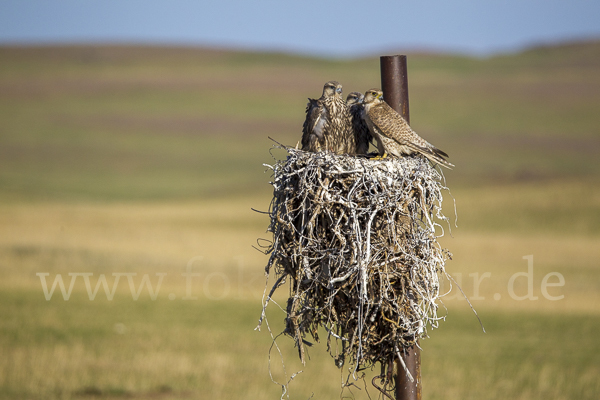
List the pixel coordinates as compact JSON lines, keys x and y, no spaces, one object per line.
{"x":356,"y":239}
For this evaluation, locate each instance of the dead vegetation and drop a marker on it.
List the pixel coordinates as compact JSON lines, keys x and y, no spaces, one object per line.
{"x":357,"y":240}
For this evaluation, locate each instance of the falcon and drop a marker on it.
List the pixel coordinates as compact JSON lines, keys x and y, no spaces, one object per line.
{"x":393,"y":134}
{"x":328,"y":123}
{"x":362,"y":135}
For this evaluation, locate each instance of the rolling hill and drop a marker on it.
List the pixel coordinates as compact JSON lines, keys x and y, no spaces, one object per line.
{"x":124,"y":122}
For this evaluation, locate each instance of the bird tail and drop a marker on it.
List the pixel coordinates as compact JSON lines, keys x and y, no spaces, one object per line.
{"x":439,"y":152}
{"x":436,"y":155}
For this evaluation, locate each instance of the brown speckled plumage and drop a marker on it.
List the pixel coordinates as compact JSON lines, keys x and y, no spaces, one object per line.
{"x":328,"y":123}
{"x":393,"y":134}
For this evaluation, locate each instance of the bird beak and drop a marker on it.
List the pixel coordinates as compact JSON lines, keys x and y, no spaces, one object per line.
{"x":338,"y":90}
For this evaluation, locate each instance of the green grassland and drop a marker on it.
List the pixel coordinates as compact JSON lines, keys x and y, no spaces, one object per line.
{"x":148,"y":160}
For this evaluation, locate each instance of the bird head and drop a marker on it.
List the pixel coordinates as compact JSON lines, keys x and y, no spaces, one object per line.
{"x":373,"y":96}
{"x":332,"y":88}
{"x":354,"y":98}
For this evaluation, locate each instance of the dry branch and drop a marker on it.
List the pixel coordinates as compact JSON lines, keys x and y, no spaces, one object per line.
{"x":356,"y":239}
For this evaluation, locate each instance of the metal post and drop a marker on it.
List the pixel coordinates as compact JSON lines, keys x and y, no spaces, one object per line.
{"x":405,"y":389}
{"x":394,"y":84}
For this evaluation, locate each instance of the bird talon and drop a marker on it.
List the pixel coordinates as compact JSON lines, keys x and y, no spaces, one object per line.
{"x":379,"y":158}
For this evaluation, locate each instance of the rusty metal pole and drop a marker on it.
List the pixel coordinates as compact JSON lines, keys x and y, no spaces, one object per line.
{"x":394,"y":84}
{"x":405,"y":389}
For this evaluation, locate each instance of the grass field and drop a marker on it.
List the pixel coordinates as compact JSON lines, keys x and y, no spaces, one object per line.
{"x":143,"y":164}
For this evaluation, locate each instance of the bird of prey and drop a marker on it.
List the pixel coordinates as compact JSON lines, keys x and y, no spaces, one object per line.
{"x":362,"y":135}
{"x":393,"y":134}
{"x":328,"y":123}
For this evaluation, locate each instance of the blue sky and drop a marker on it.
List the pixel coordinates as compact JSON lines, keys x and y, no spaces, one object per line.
{"x":325,"y":28}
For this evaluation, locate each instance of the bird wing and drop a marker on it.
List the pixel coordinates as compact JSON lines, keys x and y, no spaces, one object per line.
{"x":389,"y":122}
{"x":313,"y":116}
{"x":310,"y":116}
{"x":315,"y":119}
{"x":394,"y":126}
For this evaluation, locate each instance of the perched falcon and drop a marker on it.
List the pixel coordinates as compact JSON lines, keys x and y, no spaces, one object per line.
{"x":362,"y":135}
{"x":393,"y":134}
{"x":328,"y":123}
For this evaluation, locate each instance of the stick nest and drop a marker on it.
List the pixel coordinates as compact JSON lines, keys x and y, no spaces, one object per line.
{"x":357,"y":240}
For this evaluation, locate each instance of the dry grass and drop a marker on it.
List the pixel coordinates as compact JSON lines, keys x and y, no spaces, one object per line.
{"x":501,"y":256}
{"x":134,"y":236}
{"x":138,"y":160}
{"x":188,"y":349}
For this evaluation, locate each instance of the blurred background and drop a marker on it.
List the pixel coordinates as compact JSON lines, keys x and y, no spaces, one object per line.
{"x":132,"y":141}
